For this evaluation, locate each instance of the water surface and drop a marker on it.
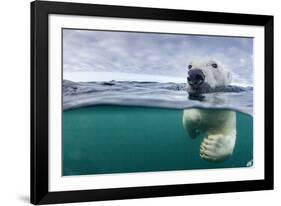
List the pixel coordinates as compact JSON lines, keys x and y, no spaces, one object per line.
{"x":154,"y":94}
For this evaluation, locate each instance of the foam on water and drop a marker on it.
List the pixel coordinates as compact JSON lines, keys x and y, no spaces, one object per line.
{"x":154,"y":94}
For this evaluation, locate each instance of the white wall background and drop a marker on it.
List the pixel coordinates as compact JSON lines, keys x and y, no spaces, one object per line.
{"x":14,"y":102}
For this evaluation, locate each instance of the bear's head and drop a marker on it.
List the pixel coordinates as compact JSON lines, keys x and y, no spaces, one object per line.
{"x":205,"y":76}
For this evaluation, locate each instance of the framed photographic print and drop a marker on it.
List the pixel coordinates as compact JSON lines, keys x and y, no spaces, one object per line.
{"x":131,"y":102}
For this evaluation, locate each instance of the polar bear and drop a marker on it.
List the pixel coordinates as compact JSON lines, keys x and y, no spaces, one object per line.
{"x":217,"y":125}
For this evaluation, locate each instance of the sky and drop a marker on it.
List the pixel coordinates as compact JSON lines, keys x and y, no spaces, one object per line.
{"x":105,"y":55}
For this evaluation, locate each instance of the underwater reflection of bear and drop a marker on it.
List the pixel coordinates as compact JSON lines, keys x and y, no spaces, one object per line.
{"x":218,"y":125}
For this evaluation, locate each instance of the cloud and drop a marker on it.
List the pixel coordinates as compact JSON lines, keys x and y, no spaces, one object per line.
{"x":152,"y":53}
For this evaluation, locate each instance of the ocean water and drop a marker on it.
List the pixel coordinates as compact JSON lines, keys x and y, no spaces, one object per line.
{"x":104,"y":139}
{"x":154,"y":94}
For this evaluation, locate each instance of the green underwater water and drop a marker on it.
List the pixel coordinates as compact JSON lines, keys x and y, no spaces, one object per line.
{"x":120,"y":139}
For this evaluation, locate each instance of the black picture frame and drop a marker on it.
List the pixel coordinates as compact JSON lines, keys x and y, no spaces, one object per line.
{"x":39,"y":102}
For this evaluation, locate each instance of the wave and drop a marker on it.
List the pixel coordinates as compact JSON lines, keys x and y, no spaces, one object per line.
{"x":154,"y":94}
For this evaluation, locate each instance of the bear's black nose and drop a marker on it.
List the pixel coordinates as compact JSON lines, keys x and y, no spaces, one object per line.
{"x":195,"y":77}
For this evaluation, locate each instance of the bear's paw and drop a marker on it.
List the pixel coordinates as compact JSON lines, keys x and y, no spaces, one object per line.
{"x":217,"y":148}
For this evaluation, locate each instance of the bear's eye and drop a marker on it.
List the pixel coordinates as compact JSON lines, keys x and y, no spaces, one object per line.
{"x":214,"y":65}
{"x":189,"y":66}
